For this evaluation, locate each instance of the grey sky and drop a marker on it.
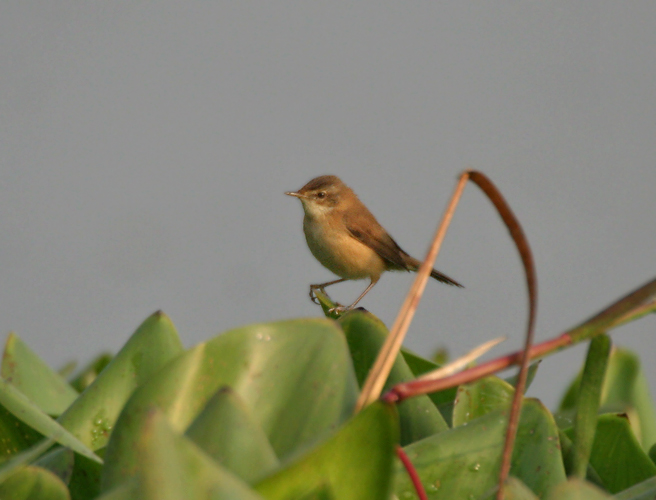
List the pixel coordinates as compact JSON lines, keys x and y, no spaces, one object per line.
{"x":145,"y":149}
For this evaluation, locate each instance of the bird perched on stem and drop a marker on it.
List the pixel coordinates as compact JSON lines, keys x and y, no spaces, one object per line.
{"x":346,"y":238}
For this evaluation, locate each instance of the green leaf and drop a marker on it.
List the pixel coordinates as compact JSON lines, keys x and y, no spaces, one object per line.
{"x":15,"y":435}
{"x":295,"y":376}
{"x":459,"y":463}
{"x":172,"y":467}
{"x":92,"y":416}
{"x":356,"y":463}
{"x":33,"y":483}
{"x":59,"y":461}
{"x":480,"y":398}
{"x":26,"y":371}
{"x":323,"y":492}
{"x":516,"y":490}
{"x":464,"y":461}
{"x":227,"y":431}
{"x":23,"y":458}
{"x":576,"y":489}
{"x":624,"y":391}
{"x":89,"y":373}
{"x":80,"y":474}
{"x":566,"y":449}
{"x":26,"y":411}
{"x":645,"y":490}
{"x":365,"y":335}
{"x":616,"y":454}
{"x":536,"y":459}
{"x":589,"y":398}
{"x":129,"y":490}
{"x":443,"y":400}
{"x":85,"y":479}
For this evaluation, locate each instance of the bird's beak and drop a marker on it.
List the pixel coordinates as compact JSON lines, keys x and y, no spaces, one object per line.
{"x":297,"y":195}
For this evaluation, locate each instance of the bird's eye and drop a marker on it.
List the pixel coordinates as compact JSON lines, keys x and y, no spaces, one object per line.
{"x":321,"y":194}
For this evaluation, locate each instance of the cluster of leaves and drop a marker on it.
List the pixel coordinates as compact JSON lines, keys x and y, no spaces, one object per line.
{"x":266,"y":412}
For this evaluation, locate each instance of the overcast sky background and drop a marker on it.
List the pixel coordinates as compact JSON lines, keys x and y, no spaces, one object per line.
{"x":145,"y":149}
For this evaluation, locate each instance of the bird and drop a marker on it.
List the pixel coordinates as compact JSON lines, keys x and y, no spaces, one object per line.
{"x":345,"y":237}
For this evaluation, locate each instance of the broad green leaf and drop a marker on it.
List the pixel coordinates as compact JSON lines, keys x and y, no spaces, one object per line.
{"x":15,"y":436}
{"x":577,"y":489}
{"x":417,"y":364}
{"x":90,"y":372}
{"x":616,"y":454}
{"x":295,"y":376}
{"x":536,"y":459}
{"x":566,"y":449}
{"x":129,"y":490}
{"x":227,"y":431}
{"x":26,"y":371}
{"x":443,"y":400}
{"x":33,"y":483}
{"x":624,"y":391}
{"x":356,"y":463}
{"x":481,"y":397}
{"x":172,"y":467}
{"x":464,"y":461}
{"x":365,"y":335}
{"x":24,"y":458}
{"x":93,"y":415}
{"x":26,"y":411}
{"x":80,"y":474}
{"x":459,"y":463}
{"x":645,"y":490}
{"x":516,"y":490}
{"x":85,"y":479}
{"x":323,"y":492}
{"x":587,"y":407}
{"x":59,"y":461}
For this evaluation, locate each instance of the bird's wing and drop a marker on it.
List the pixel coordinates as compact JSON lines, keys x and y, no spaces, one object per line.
{"x":380,"y":242}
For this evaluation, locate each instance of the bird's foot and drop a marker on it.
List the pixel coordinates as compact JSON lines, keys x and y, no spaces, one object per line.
{"x":313,"y":289}
{"x":339,"y":309}
{"x":318,"y":296}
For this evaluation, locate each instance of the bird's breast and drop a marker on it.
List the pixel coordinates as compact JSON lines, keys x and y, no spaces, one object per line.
{"x":336,"y":249}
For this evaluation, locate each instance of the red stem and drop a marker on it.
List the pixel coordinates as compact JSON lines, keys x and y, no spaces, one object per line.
{"x":412,"y":472}
{"x":418,"y":387}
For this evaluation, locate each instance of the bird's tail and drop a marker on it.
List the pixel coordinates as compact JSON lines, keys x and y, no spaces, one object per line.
{"x":444,"y":278}
{"x":414,"y":264}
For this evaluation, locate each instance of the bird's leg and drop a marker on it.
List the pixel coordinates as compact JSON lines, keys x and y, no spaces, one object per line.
{"x":341,"y":309}
{"x":321,"y":287}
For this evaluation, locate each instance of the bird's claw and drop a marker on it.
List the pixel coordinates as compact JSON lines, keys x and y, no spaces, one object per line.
{"x":313,"y":296}
{"x":339,"y":309}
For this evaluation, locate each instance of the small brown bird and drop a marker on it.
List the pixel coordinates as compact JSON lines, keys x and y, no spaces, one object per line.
{"x":347,"y":239}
